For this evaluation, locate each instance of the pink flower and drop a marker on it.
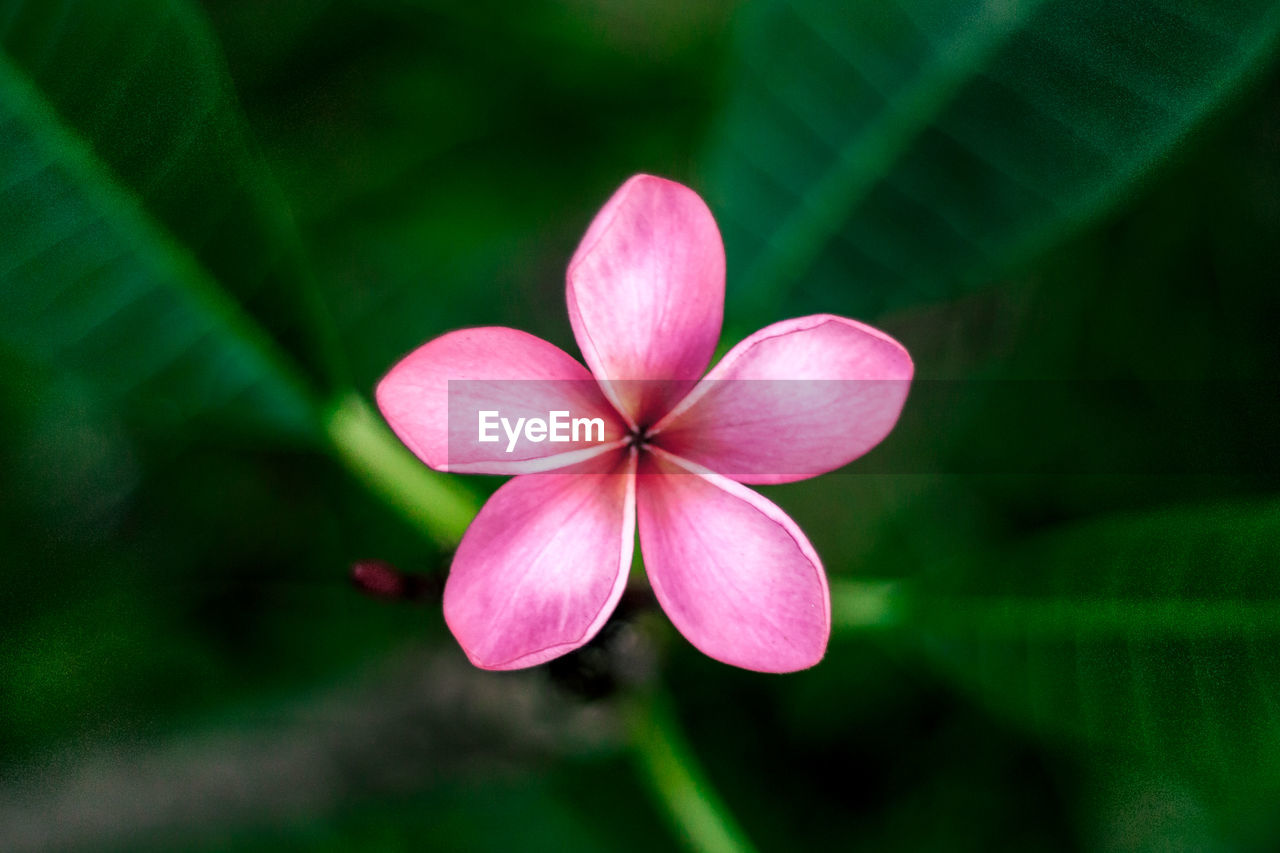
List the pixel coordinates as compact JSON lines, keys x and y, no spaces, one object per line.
{"x":543,"y":565}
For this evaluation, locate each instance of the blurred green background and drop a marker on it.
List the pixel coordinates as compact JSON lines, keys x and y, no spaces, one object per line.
{"x":220,"y":221}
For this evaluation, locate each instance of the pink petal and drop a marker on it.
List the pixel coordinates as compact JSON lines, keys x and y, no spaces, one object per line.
{"x":733,"y":572}
{"x":646,"y":294}
{"x":796,"y":399}
{"x":432,"y":399}
{"x":543,"y":565}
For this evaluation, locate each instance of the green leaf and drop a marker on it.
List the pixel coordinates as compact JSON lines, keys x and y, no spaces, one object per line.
{"x":877,"y":154}
{"x":128,"y":200}
{"x":1157,"y":632}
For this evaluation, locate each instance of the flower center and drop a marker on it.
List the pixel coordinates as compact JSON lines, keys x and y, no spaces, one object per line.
{"x":640,"y":436}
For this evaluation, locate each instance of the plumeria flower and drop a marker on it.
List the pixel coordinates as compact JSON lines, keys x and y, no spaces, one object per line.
{"x":545,"y":562}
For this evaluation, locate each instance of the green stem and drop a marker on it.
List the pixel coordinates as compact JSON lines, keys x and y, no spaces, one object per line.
{"x":1018,"y":618}
{"x":434,"y":503}
{"x":699,"y":817}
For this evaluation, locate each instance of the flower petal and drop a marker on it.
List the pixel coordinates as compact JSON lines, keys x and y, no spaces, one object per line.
{"x":433,"y":396}
{"x":736,"y":576}
{"x":543,"y":565}
{"x":646,"y":294}
{"x":796,"y":399}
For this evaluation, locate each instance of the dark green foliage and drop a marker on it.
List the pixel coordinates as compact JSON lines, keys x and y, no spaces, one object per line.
{"x":216,"y":219}
{"x":880,"y":154}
